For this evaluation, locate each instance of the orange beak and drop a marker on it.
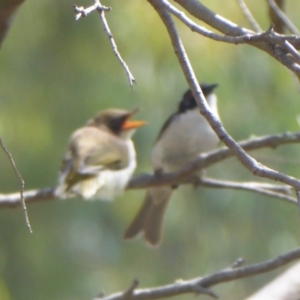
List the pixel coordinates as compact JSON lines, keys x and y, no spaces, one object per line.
{"x":128,"y":124}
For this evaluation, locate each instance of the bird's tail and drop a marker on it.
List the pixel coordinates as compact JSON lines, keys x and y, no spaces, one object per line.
{"x":149,"y":219}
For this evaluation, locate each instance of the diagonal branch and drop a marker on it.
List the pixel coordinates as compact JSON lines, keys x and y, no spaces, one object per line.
{"x":97,"y":6}
{"x":274,"y":191}
{"x":291,"y":49}
{"x":22,"y":183}
{"x":249,"y":16}
{"x":279,"y":26}
{"x":280,"y":14}
{"x":246,"y":160}
{"x":202,"y":284}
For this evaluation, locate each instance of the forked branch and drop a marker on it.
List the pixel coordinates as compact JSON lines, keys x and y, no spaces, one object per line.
{"x":97,"y":6}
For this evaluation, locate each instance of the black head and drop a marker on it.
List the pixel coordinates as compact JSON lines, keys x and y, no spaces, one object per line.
{"x":111,"y":119}
{"x":188,"y":101}
{"x":116,"y":121}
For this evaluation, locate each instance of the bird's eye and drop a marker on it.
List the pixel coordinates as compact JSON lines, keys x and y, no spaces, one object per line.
{"x":116,"y":124}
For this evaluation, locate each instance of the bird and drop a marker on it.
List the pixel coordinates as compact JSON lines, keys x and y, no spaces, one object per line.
{"x":183,"y":136}
{"x":100,"y":157}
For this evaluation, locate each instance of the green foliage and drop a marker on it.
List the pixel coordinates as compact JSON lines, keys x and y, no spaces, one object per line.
{"x":57,"y":73}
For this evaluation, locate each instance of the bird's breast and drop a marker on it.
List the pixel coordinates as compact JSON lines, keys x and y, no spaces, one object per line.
{"x":113,"y":182}
{"x":188,"y":135}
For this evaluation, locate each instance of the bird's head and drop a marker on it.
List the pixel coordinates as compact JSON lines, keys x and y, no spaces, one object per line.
{"x":117,"y":121}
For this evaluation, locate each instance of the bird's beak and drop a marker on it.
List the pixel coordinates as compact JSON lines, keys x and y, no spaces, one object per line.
{"x":128,"y":124}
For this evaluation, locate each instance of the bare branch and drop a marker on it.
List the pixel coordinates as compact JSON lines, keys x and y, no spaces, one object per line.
{"x":246,"y":160}
{"x":238,"y":263}
{"x":279,"y":26}
{"x":83,"y":12}
{"x":198,"y":285}
{"x":114,"y":46}
{"x":22,"y":183}
{"x":183,"y":175}
{"x":298,"y":199}
{"x":249,"y":16}
{"x":129,"y":292}
{"x":250,"y":37}
{"x":291,"y":49}
{"x":248,"y":186}
{"x":141,"y":181}
{"x":283,"y":17}
{"x":197,"y":9}
{"x":31,"y":196}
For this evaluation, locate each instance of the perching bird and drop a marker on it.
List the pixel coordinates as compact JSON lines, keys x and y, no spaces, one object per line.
{"x":100,"y":157}
{"x":182,"y":138}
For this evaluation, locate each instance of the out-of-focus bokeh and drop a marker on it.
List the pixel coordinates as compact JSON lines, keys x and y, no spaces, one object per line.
{"x":57,"y":73}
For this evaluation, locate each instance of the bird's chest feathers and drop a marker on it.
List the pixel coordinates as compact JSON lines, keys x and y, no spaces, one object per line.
{"x":113,"y":182}
{"x":187,"y":136}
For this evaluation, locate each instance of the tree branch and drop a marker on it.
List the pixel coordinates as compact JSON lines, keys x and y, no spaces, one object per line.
{"x":279,"y":26}
{"x":280,"y":14}
{"x":22,"y":183}
{"x":267,"y":36}
{"x":275,"y":191}
{"x":198,"y":10}
{"x":270,"y":36}
{"x":97,"y":6}
{"x":201,"y":285}
{"x":246,"y":160}
{"x":249,"y":16}
{"x":183,"y":175}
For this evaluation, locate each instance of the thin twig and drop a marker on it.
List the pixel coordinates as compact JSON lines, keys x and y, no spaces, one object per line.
{"x":114,"y":46}
{"x":298,"y":199}
{"x":283,"y":17}
{"x":83,"y":12}
{"x":291,"y":49}
{"x":97,"y":6}
{"x":238,"y":263}
{"x":246,"y":186}
{"x":129,"y":292}
{"x":197,"y":285}
{"x":240,"y":185}
{"x":22,"y":183}
{"x":249,"y":16}
{"x":230,"y":29}
{"x":269,"y":37}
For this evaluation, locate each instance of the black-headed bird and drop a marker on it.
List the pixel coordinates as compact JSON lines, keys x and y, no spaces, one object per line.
{"x":181,"y":139}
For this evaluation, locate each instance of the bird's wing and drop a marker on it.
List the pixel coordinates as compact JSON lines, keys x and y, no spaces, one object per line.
{"x":95,"y":149}
{"x":91,"y":150}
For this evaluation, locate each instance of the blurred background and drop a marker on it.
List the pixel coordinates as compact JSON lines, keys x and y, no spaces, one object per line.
{"x":57,"y":73}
